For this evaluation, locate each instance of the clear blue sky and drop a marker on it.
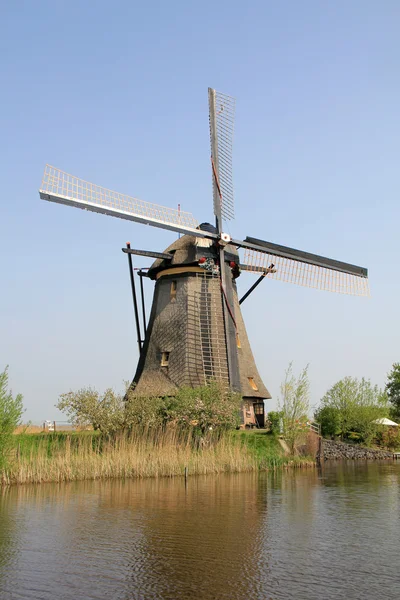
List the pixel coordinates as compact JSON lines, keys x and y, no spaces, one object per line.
{"x":116,"y":93}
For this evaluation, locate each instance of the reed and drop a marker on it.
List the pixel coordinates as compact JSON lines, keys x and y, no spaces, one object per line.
{"x":139,"y":453}
{"x":27,"y":429}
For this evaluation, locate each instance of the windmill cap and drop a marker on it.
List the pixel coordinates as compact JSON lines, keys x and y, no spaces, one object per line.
{"x":207,"y":227}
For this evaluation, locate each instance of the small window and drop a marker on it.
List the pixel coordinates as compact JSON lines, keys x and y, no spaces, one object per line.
{"x":259,"y":409}
{"x":164,"y":359}
{"x":173,"y":291}
{"x":238,"y":344}
{"x":253,"y":383}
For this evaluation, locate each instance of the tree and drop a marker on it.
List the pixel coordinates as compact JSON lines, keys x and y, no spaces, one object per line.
{"x":11,"y":410}
{"x":105,"y":412}
{"x":341,"y":399}
{"x":295,"y":405}
{"x":328,"y":418}
{"x":393,"y":389}
{"x":352,"y":405}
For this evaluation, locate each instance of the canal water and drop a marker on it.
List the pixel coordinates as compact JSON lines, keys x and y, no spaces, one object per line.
{"x":305,"y":534}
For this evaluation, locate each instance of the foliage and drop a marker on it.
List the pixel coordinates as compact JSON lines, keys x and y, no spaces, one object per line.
{"x":144,"y":411}
{"x":11,"y":410}
{"x":328,"y":417}
{"x":295,"y":393}
{"x":389,"y":437}
{"x":393,"y":390}
{"x":105,"y":412}
{"x":203,"y":408}
{"x":355,"y":437}
{"x":274,"y":419}
{"x":352,"y":405}
{"x":207,"y":407}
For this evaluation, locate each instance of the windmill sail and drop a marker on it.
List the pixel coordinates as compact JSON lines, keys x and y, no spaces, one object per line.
{"x":222,"y":116}
{"x":221,"y":113}
{"x":63,"y":188}
{"x":303,"y":268}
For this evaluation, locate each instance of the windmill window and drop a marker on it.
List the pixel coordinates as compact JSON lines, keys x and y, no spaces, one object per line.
{"x":164,"y":359}
{"x":253,"y":383}
{"x":238,"y":344}
{"x":173,"y":291}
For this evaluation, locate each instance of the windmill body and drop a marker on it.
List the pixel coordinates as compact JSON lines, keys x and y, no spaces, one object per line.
{"x":196,"y":331}
{"x":185,"y":343}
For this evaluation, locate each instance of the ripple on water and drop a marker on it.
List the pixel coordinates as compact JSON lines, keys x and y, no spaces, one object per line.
{"x":295,"y":534}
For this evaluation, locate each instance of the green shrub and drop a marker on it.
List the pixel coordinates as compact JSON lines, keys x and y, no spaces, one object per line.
{"x":393,"y":390}
{"x":329,"y":419}
{"x":11,"y":410}
{"x":275,"y":420}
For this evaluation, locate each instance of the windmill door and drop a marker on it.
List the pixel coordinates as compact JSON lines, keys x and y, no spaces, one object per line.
{"x":259,"y":414}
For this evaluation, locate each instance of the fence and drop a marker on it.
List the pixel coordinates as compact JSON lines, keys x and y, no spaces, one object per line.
{"x":315,"y":427}
{"x":53,"y":426}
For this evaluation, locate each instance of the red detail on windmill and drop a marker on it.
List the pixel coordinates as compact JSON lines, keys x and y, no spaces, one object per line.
{"x":232,"y":264}
{"x":202,"y":260}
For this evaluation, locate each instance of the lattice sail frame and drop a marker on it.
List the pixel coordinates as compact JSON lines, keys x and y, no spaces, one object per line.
{"x":225,"y":118}
{"x":305,"y":274}
{"x":58,"y":184}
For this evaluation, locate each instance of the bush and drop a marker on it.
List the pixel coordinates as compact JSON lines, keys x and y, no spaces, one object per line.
{"x":275,"y":420}
{"x":328,"y":417}
{"x":11,"y":410}
{"x":393,"y":390}
{"x":203,"y":408}
{"x":389,"y":437}
{"x":352,"y":405}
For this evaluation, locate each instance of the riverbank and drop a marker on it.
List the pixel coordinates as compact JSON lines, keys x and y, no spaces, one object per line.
{"x":59,"y":457}
{"x":335,"y":450}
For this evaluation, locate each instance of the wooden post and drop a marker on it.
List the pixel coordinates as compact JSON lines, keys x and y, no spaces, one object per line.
{"x":135,"y":307}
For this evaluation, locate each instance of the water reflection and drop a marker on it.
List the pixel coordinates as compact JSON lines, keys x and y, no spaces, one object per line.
{"x":296,"y":534}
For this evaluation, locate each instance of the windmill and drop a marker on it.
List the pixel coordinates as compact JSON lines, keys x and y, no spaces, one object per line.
{"x":196,"y":331}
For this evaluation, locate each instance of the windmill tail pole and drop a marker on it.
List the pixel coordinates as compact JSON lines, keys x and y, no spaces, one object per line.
{"x":135,"y":306}
{"x":141,"y":275}
{"x":253,"y":287}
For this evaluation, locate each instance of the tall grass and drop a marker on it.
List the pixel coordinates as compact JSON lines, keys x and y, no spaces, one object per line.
{"x":140,"y":453}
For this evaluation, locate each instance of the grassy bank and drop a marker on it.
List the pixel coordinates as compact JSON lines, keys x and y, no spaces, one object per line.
{"x":146,"y":453}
